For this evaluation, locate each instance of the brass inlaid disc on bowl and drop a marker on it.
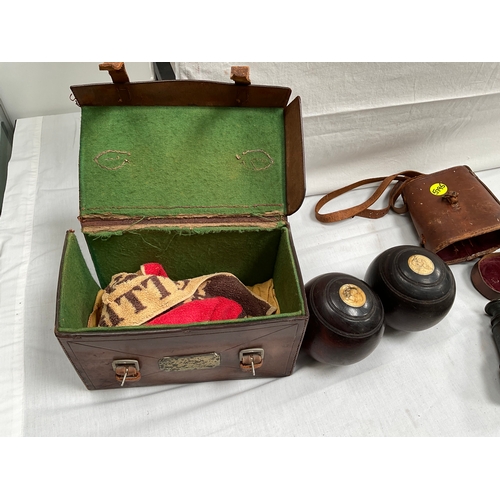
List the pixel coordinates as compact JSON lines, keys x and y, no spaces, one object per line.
{"x":421,"y":264}
{"x":352,"y":295}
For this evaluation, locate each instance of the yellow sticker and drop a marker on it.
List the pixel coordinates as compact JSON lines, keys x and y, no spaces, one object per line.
{"x":438,"y":189}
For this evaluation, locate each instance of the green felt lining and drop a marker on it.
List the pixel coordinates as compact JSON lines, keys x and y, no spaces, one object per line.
{"x":177,"y":160}
{"x":77,"y":288}
{"x":253,"y":255}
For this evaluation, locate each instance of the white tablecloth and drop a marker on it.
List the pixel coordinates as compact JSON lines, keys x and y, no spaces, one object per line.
{"x":440,"y":382}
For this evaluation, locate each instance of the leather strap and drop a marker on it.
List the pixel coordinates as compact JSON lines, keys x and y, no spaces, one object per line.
{"x":116,"y":71}
{"x":363,"y":210}
{"x":130,"y":373}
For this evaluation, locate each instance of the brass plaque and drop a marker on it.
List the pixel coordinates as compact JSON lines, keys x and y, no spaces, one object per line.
{"x":352,"y":295}
{"x":421,"y":264}
{"x":190,"y":362}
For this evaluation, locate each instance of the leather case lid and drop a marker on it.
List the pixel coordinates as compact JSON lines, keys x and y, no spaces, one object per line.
{"x":485,"y":276}
{"x":189,"y":149}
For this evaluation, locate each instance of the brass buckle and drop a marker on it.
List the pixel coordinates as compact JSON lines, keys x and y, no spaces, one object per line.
{"x":251,"y":359}
{"x":126,"y":369}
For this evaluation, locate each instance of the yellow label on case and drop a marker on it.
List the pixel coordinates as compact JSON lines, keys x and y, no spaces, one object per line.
{"x":438,"y":189}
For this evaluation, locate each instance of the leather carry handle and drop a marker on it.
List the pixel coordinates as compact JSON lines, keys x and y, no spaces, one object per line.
{"x":362,"y":210}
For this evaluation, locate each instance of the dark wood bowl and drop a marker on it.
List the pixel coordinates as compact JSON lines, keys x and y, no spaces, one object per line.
{"x":346,"y":321}
{"x":417,"y":288}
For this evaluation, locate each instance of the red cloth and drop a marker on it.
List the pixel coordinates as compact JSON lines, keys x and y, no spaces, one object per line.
{"x":213,"y":309}
{"x":154,"y":268}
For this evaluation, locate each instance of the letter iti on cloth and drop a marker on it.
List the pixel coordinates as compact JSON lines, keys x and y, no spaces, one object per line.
{"x":150,"y":297}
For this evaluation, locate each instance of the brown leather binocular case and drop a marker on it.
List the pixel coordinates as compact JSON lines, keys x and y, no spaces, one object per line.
{"x":454,"y":213}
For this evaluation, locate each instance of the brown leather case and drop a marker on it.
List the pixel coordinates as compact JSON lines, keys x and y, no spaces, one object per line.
{"x":261,"y":347}
{"x":455,"y":215}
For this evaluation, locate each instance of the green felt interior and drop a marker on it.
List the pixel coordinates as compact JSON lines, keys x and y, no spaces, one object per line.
{"x":176,"y":160}
{"x":253,"y":255}
{"x":77,"y":290}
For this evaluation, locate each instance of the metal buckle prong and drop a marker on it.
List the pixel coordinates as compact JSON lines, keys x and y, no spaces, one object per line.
{"x":124,"y":377}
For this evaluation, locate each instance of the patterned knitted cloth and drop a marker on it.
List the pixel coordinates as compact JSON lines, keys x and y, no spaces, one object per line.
{"x":149,"y":296}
